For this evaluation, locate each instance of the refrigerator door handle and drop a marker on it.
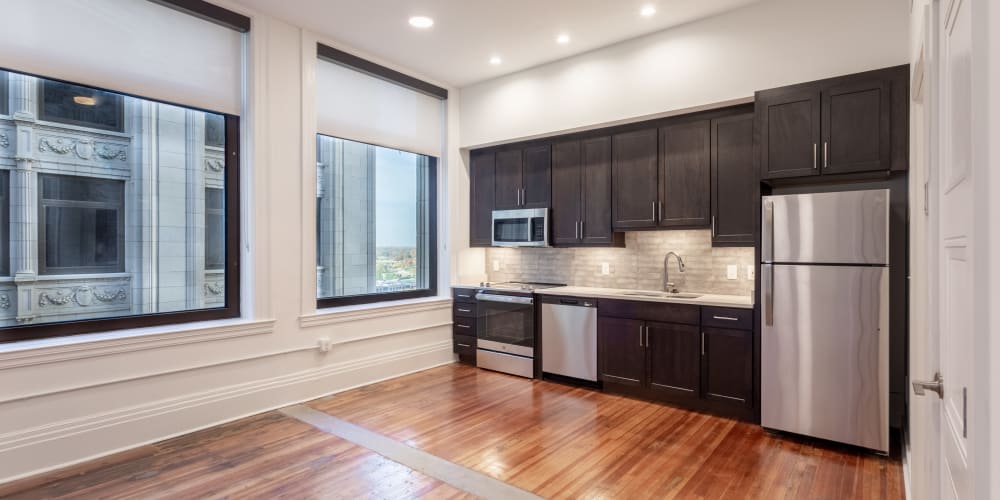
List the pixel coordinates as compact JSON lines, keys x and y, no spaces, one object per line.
{"x":767,"y":286}
{"x":767,"y":230}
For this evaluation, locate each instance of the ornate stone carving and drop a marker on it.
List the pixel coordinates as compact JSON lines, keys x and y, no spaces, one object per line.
{"x":4,"y":301}
{"x":4,"y":141}
{"x":82,"y":295}
{"x":214,"y":164}
{"x":214,"y":288}
{"x":84,"y":149}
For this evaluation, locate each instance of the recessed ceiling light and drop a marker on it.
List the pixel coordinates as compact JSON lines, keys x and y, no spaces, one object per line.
{"x":562,"y":39}
{"x":495,"y":60}
{"x":421,"y":22}
{"x":647,"y":11}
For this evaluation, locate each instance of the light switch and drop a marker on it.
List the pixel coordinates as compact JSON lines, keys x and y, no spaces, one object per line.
{"x":731,"y":272}
{"x":605,"y":268}
{"x":750,"y":273}
{"x":496,"y":264}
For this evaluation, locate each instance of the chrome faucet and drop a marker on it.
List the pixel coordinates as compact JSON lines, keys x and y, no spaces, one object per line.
{"x":667,"y":285}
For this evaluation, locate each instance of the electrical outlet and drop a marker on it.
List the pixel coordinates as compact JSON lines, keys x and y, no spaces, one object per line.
{"x":496,"y":264}
{"x":750,"y":273}
{"x":605,"y":268}
{"x":731,"y":272}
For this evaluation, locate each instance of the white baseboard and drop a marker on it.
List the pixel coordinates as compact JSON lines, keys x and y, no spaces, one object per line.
{"x":54,"y":446}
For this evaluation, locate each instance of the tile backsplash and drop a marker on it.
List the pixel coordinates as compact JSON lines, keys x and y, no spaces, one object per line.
{"x":637,"y":266}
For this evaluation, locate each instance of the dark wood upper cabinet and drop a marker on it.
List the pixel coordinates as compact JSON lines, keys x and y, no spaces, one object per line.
{"x":622,"y":358}
{"x":481,"y":176}
{"x":567,"y":189}
{"x":789,"y":133}
{"x":536,"y":187}
{"x":635,"y":179}
{"x":848,"y":124}
{"x":685,"y":180}
{"x":734,"y":181}
{"x":509,"y":180}
{"x":856,"y":121}
{"x":727,"y":365}
{"x":674,"y":367}
{"x":595,"y":219}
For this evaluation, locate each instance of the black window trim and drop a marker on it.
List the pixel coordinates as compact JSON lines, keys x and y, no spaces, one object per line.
{"x":209,"y":12}
{"x":43,"y":203}
{"x":432,"y":249}
{"x":231,"y":307}
{"x":337,"y":56}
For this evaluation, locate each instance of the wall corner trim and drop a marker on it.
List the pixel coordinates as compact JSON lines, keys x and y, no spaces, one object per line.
{"x":80,"y":349}
{"x":335,"y":316}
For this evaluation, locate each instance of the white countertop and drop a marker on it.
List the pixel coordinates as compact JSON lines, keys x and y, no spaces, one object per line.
{"x":707,"y":299}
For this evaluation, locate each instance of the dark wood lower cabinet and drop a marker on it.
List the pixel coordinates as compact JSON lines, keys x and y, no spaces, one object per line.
{"x":697,"y":366}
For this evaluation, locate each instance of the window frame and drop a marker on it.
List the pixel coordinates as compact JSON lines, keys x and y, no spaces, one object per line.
{"x":4,"y":93}
{"x":432,"y":250}
{"x":44,"y":203}
{"x":230,"y":308}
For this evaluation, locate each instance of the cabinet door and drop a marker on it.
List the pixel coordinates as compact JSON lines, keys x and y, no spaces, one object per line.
{"x":508,"y":184}
{"x":674,"y":359}
{"x":856,"y":121}
{"x":481,"y":176}
{"x":685,"y":181}
{"x":789,"y":125}
{"x":566,"y":193}
{"x":727,"y":365}
{"x":596,"y":208}
{"x":734,"y":181}
{"x":634,"y":179}
{"x":536,"y":186}
{"x":621,"y":357}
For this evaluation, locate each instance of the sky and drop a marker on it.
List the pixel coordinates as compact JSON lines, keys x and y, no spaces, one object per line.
{"x":395,"y":198}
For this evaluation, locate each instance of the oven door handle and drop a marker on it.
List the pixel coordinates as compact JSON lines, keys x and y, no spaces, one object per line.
{"x":506,"y":299}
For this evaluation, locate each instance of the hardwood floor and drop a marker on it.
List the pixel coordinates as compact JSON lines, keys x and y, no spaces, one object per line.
{"x":553,"y":440}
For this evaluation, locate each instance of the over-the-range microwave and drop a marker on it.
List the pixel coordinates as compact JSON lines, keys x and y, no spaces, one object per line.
{"x":528,"y":227}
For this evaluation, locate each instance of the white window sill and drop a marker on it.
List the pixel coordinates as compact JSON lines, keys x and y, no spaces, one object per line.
{"x":53,"y":350}
{"x":334,"y":315}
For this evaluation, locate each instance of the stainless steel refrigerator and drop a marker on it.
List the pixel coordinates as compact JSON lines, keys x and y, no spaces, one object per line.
{"x":825,"y":316}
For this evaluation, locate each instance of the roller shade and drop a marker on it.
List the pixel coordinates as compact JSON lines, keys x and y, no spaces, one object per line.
{"x":130,"y":46}
{"x":353,"y":105}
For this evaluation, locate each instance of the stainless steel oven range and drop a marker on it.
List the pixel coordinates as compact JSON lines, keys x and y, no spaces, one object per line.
{"x":506,"y":327}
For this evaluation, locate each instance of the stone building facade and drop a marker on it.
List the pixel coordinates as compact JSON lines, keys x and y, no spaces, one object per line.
{"x":112,"y":204}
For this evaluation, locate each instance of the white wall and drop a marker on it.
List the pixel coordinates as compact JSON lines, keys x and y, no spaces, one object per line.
{"x":720,"y":59}
{"x":65,"y":401}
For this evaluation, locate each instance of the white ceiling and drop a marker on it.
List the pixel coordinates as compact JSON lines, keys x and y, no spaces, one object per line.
{"x":466,"y":33}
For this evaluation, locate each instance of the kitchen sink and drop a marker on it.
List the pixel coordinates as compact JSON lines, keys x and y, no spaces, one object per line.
{"x":663,"y":295}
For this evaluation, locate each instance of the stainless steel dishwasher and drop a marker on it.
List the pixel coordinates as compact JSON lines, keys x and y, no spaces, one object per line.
{"x":569,"y":337}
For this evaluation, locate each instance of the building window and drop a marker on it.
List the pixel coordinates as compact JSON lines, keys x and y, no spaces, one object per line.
{"x":376,"y":223}
{"x":5,"y":223}
{"x":215,"y":224}
{"x":82,"y":106}
{"x":4,"y":93}
{"x":81,"y":225}
{"x":215,"y":131}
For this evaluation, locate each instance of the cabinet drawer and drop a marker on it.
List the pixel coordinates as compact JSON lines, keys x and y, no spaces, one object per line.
{"x":464,"y":345}
{"x":649,"y":311}
{"x":464,"y":325}
{"x":464,"y":309}
{"x":463,"y":295}
{"x":727,"y":317}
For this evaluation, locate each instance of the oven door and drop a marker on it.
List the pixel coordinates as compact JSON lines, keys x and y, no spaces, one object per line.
{"x":521,"y":228}
{"x":506,"y":323}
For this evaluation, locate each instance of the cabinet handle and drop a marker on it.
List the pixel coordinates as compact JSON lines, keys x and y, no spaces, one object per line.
{"x":462,"y":326}
{"x":713,"y":226}
{"x":464,"y":345}
{"x":654,"y":212}
{"x":524,"y":200}
{"x":647,"y":335}
{"x":581,"y":230}
{"x":640,"y":335}
{"x":660,"y":210}
{"x":825,"y":153}
{"x":815,"y":164}
{"x":727,"y":318}
{"x":702,"y":343}
{"x":464,"y":310}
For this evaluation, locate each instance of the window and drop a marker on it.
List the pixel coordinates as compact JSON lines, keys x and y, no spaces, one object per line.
{"x":4,"y":90}
{"x":215,"y":223}
{"x":375,"y":224}
{"x":4,"y":223}
{"x":81,"y":225}
{"x":215,"y":131}
{"x":83,"y":106}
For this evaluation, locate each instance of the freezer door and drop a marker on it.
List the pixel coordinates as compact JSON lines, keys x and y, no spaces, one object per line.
{"x":824,"y":353}
{"x":850,"y":227}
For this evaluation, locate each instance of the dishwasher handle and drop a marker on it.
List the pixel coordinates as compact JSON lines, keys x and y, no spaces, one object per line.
{"x":571,"y":301}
